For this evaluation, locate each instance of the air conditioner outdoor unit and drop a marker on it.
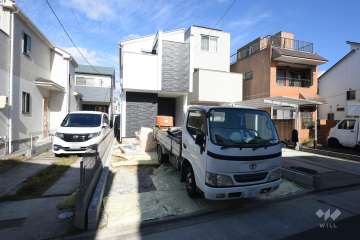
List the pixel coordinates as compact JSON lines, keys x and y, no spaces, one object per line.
{"x":3,"y":101}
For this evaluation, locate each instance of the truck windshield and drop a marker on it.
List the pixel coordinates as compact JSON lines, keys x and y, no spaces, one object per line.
{"x":235,"y":127}
{"x":82,"y":120}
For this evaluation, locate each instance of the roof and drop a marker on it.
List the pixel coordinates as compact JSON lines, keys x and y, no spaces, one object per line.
{"x":338,"y":62}
{"x":281,"y":51}
{"x":95,"y":70}
{"x":216,"y":29}
{"x":208,"y":107}
{"x":42,"y":82}
{"x":86,"y":112}
{"x":280,"y":101}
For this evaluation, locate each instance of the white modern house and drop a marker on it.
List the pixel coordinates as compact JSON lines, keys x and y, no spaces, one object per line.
{"x":163,"y":73}
{"x":339,"y":86}
{"x":36,"y":80}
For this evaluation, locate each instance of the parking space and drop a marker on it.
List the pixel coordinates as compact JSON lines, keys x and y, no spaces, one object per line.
{"x":139,"y":193}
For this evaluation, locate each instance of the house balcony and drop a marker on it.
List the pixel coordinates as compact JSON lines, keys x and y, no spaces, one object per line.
{"x":210,"y":86}
{"x":295,"y":51}
{"x":293,"y":82}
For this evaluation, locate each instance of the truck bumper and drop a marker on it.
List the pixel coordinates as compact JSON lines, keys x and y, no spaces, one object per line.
{"x":248,"y":191}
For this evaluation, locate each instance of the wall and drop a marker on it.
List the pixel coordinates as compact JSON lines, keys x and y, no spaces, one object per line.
{"x":208,"y":60}
{"x":26,"y":71}
{"x":141,"y":110}
{"x":259,"y":64}
{"x":4,"y":79}
{"x":216,"y":86}
{"x":175,"y":66}
{"x":140,"y":71}
{"x":334,"y":84}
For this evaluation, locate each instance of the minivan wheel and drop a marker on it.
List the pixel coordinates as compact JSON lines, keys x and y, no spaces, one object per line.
{"x":190,"y":182}
{"x":160,"y":155}
{"x":333,"y":142}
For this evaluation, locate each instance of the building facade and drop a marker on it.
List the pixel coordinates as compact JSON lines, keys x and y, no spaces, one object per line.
{"x":36,"y":79}
{"x":339,"y":86}
{"x":162,"y":73}
{"x":280,"y":75}
{"x":95,"y":84}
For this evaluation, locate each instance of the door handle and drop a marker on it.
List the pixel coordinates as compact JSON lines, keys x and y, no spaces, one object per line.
{"x":184,"y":145}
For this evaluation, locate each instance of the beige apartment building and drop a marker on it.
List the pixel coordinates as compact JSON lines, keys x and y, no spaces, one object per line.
{"x":281,"y":75}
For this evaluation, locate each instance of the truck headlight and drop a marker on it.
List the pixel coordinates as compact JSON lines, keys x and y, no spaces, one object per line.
{"x":218,"y":180}
{"x":276,"y":174}
{"x":59,"y":135}
{"x":92,"y":135}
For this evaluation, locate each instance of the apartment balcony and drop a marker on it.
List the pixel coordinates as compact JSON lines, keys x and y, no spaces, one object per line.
{"x":295,"y":51}
{"x":293,"y":82}
{"x":211,"y":86}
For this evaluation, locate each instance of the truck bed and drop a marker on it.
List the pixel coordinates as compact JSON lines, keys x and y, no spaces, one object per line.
{"x":170,"y":139}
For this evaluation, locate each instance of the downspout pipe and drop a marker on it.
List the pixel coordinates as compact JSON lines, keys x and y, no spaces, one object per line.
{"x":11,"y":77}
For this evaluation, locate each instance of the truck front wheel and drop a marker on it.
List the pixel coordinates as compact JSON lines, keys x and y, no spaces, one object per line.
{"x":190,"y":182}
{"x":333,"y":142}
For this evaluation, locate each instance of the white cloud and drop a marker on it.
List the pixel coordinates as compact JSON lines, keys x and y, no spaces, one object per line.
{"x":94,"y":57}
{"x":97,"y":10}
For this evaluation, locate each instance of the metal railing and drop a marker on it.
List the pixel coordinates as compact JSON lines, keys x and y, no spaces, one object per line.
{"x":292,"y":44}
{"x":233,"y":58}
{"x":293,"y":82}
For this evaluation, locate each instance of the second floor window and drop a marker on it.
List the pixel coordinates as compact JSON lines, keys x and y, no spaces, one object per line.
{"x":351,"y":95}
{"x":25,"y":102}
{"x":248,"y":75}
{"x":208,"y":43}
{"x":26,"y":44}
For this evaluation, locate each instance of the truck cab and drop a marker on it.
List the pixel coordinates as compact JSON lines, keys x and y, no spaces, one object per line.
{"x":345,"y":133}
{"x":230,"y":152}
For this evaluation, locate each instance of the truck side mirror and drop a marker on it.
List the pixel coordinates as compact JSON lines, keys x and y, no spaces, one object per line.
{"x":200,"y":140}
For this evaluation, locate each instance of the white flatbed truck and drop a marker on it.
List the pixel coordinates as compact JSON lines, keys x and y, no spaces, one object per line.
{"x":224,"y":152}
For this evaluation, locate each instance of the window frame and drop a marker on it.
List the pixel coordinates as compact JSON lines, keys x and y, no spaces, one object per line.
{"x":25,"y":103}
{"x":344,"y":122}
{"x":203,"y":115}
{"x":209,"y":38}
{"x":349,"y":97}
{"x":26,"y":44}
{"x":248,"y":77}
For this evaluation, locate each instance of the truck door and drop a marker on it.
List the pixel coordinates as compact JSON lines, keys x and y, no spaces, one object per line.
{"x":347,"y":133}
{"x":195,"y":127}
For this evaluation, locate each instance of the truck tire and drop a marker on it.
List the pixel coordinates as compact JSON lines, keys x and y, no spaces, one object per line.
{"x":190,"y":183}
{"x":162,"y":157}
{"x":333,"y":142}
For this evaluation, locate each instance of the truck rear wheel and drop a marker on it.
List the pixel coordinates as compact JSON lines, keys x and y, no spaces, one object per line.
{"x":162,"y":157}
{"x":333,"y":142}
{"x":190,"y":182}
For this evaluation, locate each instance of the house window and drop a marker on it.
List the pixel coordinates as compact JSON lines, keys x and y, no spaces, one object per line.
{"x":208,"y":43}
{"x":25,"y":102}
{"x":26,"y":44}
{"x":351,"y":95}
{"x":248,"y":75}
{"x":340,"y":109}
{"x":330,"y":116}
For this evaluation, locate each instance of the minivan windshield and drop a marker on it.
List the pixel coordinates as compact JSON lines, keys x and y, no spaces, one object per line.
{"x":82,"y":120}
{"x":236,"y":127}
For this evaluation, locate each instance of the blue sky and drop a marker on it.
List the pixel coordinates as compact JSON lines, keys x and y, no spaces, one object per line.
{"x":97,"y":26}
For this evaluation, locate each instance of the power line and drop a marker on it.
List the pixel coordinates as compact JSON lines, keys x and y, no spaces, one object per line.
{"x":225,"y":13}
{"x":70,"y":38}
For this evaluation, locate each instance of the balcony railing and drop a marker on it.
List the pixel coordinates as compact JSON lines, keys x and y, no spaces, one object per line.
{"x":293,"y":82}
{"x":292,"y":44}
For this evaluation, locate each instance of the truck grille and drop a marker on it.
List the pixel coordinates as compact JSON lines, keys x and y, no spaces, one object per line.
{"x":76,"y":137}
{"x":250,"y":177}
